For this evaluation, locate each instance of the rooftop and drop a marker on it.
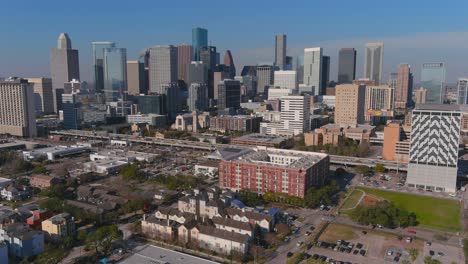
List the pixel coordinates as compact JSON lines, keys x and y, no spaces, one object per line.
{"x":153,"y":254}
{"x":438,"y":107}
{"x":263,"y":138}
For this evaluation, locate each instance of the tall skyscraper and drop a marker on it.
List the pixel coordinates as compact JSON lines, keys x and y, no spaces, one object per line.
{"x":197,"y":72}
{"x":379,"y":103}
{"x":229,"y":94}
{"x":462,"y":87}
{"x":229,"y":62}
{"x":17,"y":115}
{"x":295,"y":114}
{"x":136,"y":78}
{"x":98,"y":63}
{"x":64,"y":64}
{"x":350,"y":104}
{"x":433,"y":79}
{"x":184,"y":57}
{"x":280,"y":51}
{"x":208,"y":56}
{"x":198,"y":97}
{"x":43,"y":94}
{"x":393,"y":80}
{"x":264,"y":77}
{"x":404,"y":88}
{"x":199,"y":40}
{"x":115,"y":73}
{"x":151,"y":104}
{"x":373,"y":61}
{"x":325,"y":80}
{"x":346,"y":65}
{"x":220,"y":73}
{"x":313,"y":69}
{"x":162,"y":67}
{"x":435,"y":135}
{"x":172,"y":93}
{"x":71,"y":108}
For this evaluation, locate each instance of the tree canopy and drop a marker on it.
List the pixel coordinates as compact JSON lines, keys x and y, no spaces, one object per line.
{"x":383,"y":213}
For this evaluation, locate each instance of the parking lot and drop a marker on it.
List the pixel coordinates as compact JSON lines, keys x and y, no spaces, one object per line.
{"x":444,"y":253}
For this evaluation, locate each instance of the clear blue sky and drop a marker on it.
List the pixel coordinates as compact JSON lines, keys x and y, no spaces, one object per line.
{"x":413,"y":31}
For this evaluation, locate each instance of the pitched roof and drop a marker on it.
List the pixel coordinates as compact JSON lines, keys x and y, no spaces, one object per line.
{"x":250,"y":215}
{"x":232,"y":223}
{"x":211,"y":231}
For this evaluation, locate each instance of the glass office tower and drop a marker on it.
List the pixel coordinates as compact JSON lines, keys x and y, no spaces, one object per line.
{"x":199,"y":40}
{"x":115,"y":73}
{"x":98,"y":63}
{"x":433,"y":80}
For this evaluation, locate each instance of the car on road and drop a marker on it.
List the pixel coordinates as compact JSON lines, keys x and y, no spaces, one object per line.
{"x":289,"y":254}
{"x":286,"y":239}
{"x":431,"y":252}
{"x":409,"y":239}
{"x":396,"y":259}
{"x":299,"y":243}
{"x":411,"y":231}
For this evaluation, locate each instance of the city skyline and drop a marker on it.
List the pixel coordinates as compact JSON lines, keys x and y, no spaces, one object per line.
{"x":414,"y":45}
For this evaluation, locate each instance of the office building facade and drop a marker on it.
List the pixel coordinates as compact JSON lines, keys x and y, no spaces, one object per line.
{"x":462,"y":87}
{"x":280,"y":51}
{"x":184,"y":57}
{"x":197,"y":72}
{"x":162,"y":67}
{"x":229,"y":62}
{"x":350,"y":104}
{"x":98,"y":63}
{"x":115,"y":74}
{"x":346,"y":65}
{"x":151,"y":104}
{"x":64,"y":63}
{"x":325,"y":80}
{"x":199,"y":40}
{"x":17,"y":111}
{"x":373,"y":61}
{"x":198,"y":97}
{"x":265,"y":77}
{"x":433,"y":80}
{"x":136,"y":79}
{"x":435,"y":136}
{"x":43,"y":95}
{"x":285,"y":79}
{"x":404,"y":87}
{"x":229,"y":94}
{"x":313,"y":69}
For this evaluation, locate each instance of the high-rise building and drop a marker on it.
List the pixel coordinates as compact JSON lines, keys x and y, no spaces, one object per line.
{"x":208,"y":56}
{"x":151,"y":104}
{"x":229,"y":94}
{"x":313,"y":69}
{"x":346,"y":65}
{"x":220,"y":73}
{"x":420,"y":96}
{"x":199,"y":40}
{"x":435,"y":135}
{"x":285,"y":79}
{"x":373,"y":61}
{"x":462,"y":86}
{"x":229,"y":62}
{"x":393,"y":80}
{"x":404,"y":88}
{"x":172,"y":93}
{"x":184,"y":57}
{"x":433,"y":79}
{"x":350,"y":104}
{"x":71,"y":108}
{"x":280,"y":51}
{"x":98,"y":63}
{"x":197,"y":72}
{"x":295,"y":114}
{"x":325,"y":80}
{"x":17,"y":117}
{"x":198,"y":97}
{"x":64,"y":64}
{"x":162,"y":67}
{"x":43,"y":94}
{"x":265,"y":77}
{"x":136,"y":78}
{"x":289,"y":63}
{"x":115,"y":73}
{"x":379,"y":103}
{"x":250,"y":83}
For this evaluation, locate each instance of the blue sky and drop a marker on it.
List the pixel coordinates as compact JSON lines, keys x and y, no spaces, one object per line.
{"x":413,"y":31}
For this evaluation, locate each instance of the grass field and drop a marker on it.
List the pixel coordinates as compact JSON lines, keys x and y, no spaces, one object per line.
{"x":335,"y":232}
{"x":352,"y":199}
{"x":443,"y":214}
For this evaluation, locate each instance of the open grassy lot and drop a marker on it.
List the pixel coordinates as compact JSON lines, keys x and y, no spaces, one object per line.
{"x":335,"y":232}
{"x":443,"y":214}
{"x":352,"y":199}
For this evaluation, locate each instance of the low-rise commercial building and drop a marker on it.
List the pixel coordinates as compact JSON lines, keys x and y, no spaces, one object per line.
{"x":53,"y":153}
{"x":257,"y":139}
{"x":155,"y":120}
{"x":43,"y":181}
{"x":242,"y":123}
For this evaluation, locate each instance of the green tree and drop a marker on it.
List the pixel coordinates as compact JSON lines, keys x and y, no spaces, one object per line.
{"x":430,"y":260}
{"x":130,"y":172}
{"x":39,"y":169}
{"x":101,"y":240}
{"x":414,"y":254}
{"x":379,"y":168}
{"x":362,"y":169}
{"x":23,"y":165}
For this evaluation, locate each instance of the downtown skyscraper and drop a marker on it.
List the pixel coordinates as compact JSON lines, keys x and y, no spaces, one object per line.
{"x":115,"y":73}
{"x":433,"y":80}
{"x":98,"y":63}
{"x":280,"y":51}
{"x":346,"y":65}
{"x":404,"y":87}
{"x":373,"y":61}
{"x":162,"y":67}
{"x":313,"y":70}
{"x":64,"y":63}
{"x":184,"y":57}
{"x":229,"y":62}
{"x":199,"y":40}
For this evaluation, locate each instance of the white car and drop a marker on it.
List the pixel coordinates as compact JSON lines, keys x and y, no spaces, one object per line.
{"x":389,"y":253}
{"x":299,"y":243}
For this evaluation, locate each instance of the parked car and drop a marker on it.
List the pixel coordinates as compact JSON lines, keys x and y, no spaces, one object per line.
{"x":289,"y":254}
{"x":428,"y":243}
{"x":389,"y":253}
{"x":411,"y":231}
{"x":299,"y":243}
{"x":359,"y":245}
{"x":431,"y":252}
{"x":355,"y":252}
{"x":362,"y":252}
{"x":440,"y":254}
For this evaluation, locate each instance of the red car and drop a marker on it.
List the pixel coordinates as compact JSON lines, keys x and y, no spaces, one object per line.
{"x":411,"y":231}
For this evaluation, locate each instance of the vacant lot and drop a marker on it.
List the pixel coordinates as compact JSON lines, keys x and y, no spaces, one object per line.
{"x":433,"y":212}
{"x":335,"y":232}
{"x":352,"y":200}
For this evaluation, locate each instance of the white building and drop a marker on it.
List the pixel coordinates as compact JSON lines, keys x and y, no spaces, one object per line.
{"x":373,"y":61}
{"x":162,"y":67}
{"x":285,"y":79}
{"x":197,"y":97}
{"x":52,"y":153}
{"x":313,"y":69}
{"x":155,"y":120}
{"x":277,"y":93}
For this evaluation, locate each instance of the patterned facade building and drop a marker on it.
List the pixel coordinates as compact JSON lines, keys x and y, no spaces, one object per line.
{"x":435,"y":135}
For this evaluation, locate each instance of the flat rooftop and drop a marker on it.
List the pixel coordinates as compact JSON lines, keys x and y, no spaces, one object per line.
{"x":438,"y":107}
{"x":263,"y":138}
{"x":149,"y":254}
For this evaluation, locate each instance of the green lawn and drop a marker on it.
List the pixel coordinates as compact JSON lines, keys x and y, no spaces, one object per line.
{"x":443,"y":214}
{"x":352,"y":200}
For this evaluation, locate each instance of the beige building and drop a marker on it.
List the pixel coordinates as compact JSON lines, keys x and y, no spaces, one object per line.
{"x":186,"y":122}
{"x":379,"y":101}
{"x":350,"y":104}
{"x":135,"y":77}
{"x":59,"y":226}
{"x":43,"y":94}
{"x":420,"y":96}
{"x":324,"y":135}
{"x":396,"y":142}
{"x":17,"y":115}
